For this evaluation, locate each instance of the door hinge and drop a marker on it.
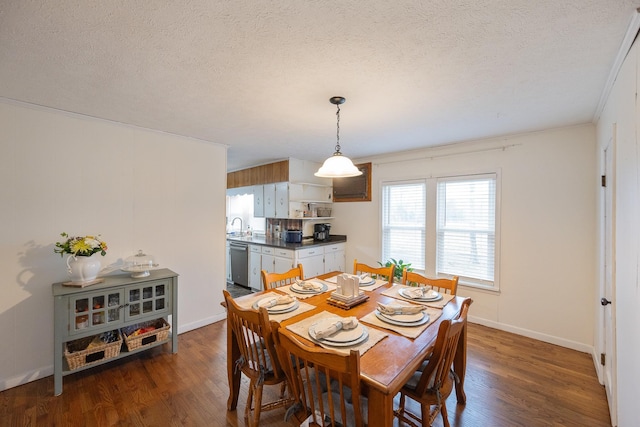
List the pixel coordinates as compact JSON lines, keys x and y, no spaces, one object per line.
{"x":604,"y":180}
{"x":602,"y":358}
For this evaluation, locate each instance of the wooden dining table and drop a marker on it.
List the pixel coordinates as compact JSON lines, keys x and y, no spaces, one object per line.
{"x":385,"y":367}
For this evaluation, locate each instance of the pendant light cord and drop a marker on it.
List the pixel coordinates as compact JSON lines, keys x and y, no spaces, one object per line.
{"x":338,"y":129}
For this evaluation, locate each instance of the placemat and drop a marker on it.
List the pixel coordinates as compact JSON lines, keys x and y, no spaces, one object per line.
{"x":407,"y":331}
{"x":393,"y":293}
{"x":287,"y":289}
{"x":248,"y":301}
{"x":302,"y":328}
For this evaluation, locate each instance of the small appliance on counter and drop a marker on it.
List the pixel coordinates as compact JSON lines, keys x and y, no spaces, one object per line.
{"x":293,"y":236}
{"x":321,"y":231}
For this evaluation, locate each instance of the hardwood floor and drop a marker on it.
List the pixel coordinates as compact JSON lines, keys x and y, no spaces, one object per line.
{"x":511,"y":381}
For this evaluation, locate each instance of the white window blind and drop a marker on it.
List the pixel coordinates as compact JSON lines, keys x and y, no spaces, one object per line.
{"x":403,"y":222}
{"x":466,"y":227}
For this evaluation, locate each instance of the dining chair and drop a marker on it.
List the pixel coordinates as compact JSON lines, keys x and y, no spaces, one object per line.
{"x":386,"y":272}
{"x":439,"y":285}
{"x":325,"y":383}
{"x":275,"y":280}
{"x":258,"y":357}
{"x":433,"y":382}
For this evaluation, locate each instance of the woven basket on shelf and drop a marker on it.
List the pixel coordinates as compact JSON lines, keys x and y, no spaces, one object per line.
{"x":84,"y":351}
{"x":160,"y":333}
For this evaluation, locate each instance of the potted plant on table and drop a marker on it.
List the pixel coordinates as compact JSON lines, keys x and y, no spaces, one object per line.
{"x":399,"y":267}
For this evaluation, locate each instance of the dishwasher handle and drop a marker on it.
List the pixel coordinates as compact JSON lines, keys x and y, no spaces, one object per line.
{"x":243,"y":248}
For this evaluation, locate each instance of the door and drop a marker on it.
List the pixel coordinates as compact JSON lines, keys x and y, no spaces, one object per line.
{"x":607,"y":288}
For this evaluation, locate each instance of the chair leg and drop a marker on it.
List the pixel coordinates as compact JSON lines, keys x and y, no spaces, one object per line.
{"x":445,"y":416}
{"x":257,"y":406}
{"x":425,"y":411}
{"x":247,"y":409}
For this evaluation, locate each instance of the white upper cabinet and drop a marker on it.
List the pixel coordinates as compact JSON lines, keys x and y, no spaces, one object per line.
{"x":282,"y":200}
{"x":258,"y":201}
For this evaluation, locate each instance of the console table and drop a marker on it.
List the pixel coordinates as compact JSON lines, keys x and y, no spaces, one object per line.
{"x":119,"y":301}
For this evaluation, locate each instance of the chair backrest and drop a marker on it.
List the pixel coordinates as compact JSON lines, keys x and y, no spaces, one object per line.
{"x":440,"y":285}
{"x":386,"y":272}
{"x":274,"y":280}
{"x":255,"y":337}
{"x":437,"y":374}
{"x":324,"y":382}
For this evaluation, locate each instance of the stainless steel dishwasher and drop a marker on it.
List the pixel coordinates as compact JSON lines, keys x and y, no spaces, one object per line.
{"x":239,"y":263}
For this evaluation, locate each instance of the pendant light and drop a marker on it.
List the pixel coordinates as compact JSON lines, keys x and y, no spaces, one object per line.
{"x":338,"y":166}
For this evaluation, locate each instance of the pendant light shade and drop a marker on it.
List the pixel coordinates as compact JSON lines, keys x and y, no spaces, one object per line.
{"x":338,"y":166}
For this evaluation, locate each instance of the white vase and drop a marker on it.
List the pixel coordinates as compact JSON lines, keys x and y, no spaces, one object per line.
{"x":83,"y":268}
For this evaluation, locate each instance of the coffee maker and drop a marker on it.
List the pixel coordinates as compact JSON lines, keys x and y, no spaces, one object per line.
{"x":321,"y":231}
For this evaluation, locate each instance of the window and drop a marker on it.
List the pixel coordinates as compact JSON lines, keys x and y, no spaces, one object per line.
{"x":403,"y":222}
{"x":466,"y":228}
{"x":444,"y":226}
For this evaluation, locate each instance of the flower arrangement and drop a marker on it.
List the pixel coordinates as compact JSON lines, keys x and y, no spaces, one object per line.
{"x":80,"y":246}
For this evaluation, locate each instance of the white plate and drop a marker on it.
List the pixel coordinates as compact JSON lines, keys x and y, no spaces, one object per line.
{"x":386,"y":319}
{"x":369,"y":283}
{"x":296,"y":288}
{"x":437,"y":296}
{"x":405,"y":318}
{"x":342,"y":336}
{"x":276,"y":309}
{"x":363,"y":338}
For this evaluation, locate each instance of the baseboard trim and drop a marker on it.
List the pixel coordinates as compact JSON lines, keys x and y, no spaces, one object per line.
{"x":584,"y":348}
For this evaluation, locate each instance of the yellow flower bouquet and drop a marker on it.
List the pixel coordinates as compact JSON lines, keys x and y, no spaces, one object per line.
{"x":80,"y":246}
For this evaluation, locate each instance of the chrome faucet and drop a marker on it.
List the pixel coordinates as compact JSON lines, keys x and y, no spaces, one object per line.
{"x":234,"y":220}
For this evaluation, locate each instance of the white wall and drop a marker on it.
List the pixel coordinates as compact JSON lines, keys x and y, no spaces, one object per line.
{"x":621,"y":109}
{"x":548,"y":200}
{"x":139,"y":189}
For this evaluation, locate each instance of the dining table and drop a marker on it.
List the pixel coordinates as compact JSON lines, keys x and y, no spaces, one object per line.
{"x":384,"y":367}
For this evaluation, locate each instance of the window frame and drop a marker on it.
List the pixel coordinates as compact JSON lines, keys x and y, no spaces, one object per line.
{"x":431,"y":212}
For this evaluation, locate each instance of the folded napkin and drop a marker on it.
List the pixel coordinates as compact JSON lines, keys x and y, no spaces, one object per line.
{"x":420,"y":292}
{"x":365,"y":277}
{"x":310,"y":286}
{"x":332,"y":328}
{"x":392,"y":308}
{"x":280,"y":300}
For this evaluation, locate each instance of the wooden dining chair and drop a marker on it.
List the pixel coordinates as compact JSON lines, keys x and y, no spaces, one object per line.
{"x":274,"y":280}
{"x":386,"y":272}
{"x":433,"y":382}
{"x":258,"y":357}
{"x":324,"y":382}
{"x":439,"y":285}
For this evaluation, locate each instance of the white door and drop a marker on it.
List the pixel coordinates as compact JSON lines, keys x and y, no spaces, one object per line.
{"x":607,"y":293}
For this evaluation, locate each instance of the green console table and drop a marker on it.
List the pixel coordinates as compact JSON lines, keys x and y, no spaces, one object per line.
{"x":119,"y":301}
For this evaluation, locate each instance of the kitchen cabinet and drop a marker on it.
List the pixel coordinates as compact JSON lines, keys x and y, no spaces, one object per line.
{"x":117,"y":302}
{"x":282,"y":200}
{"x":312,"y":260}
{"x":258,"y":201}
{"x":269,"y":197}
{"x":334,"y":258}
{"x":276,"y":260}
{"x":255,"y":265}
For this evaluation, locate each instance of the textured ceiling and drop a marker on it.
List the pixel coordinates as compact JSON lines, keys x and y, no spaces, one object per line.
{"x":257,"y":75}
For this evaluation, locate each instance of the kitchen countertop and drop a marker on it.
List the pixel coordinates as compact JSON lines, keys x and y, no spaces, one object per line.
{"x":279,"y":243}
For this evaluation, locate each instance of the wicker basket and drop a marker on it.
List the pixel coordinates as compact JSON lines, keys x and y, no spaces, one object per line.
{"x":90,"y":350}
{"x":160,"y":333}
{"x":324,"y":212}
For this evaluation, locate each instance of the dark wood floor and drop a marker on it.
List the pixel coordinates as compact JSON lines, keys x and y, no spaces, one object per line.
{"x":511,"y":381}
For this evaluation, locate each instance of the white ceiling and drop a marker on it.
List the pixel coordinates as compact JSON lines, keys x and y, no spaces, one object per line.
{"x":257,"y":75}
